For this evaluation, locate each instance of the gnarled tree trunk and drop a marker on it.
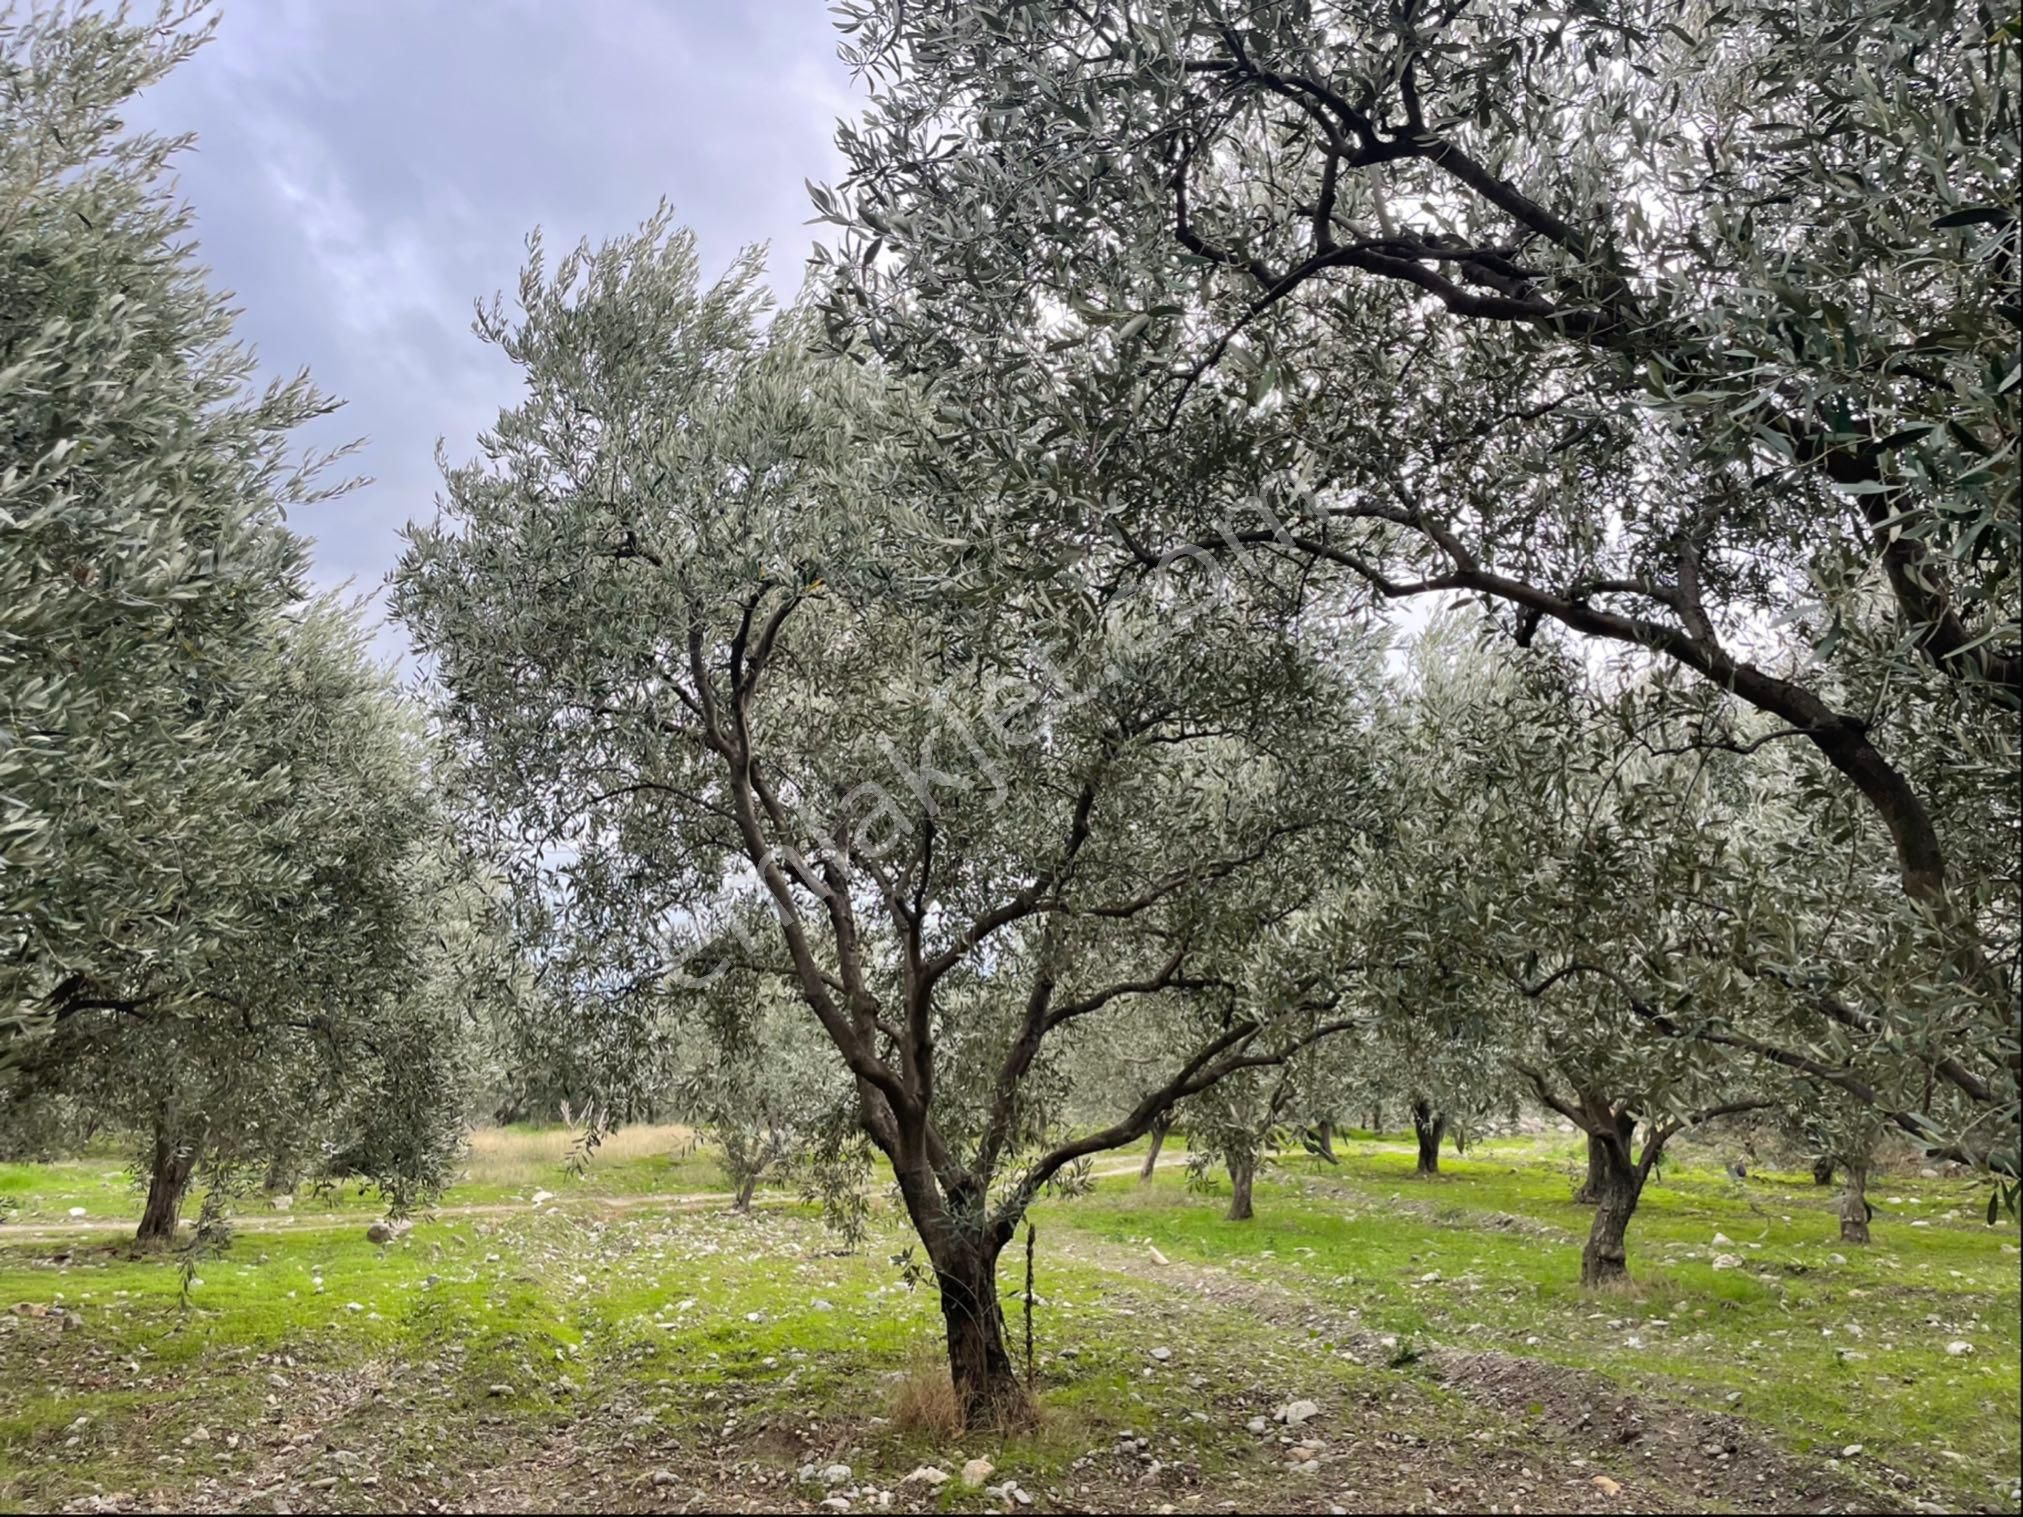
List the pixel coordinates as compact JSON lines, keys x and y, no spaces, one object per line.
{"x":175,"y":1160}
{"x":1590,"y":1192}
{"x":1605,"y":1259}
{"x":1241,"y":1173}
{"x":1431,"y":1127}
{"x":1159,"y":1130}
{"x":1854,"y":1209}
{"x":979,"y":1366}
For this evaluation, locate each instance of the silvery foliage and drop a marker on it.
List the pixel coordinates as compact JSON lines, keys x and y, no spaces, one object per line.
{"x":714,"y":647}
{"x":329,"y":1032}
{"x":1691,"y":331}
{"x":143,"y":556}
{"x":1662,"y":923}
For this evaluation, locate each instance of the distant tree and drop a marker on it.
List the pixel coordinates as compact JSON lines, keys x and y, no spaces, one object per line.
{"x":706,"y":636}
{"x":763,"y":1085}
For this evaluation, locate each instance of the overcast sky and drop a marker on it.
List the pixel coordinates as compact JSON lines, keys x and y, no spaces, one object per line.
{"x":364,"y":170}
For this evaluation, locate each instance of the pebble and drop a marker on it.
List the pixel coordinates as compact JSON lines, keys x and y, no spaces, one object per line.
{"x":976,"y":1472}
{"x":1297,"y":1412}
{"x":1959,"y":1347}
{"x":1162,"y":1354}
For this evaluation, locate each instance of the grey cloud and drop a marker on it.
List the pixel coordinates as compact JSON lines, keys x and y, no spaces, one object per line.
{"x":364,"y":171}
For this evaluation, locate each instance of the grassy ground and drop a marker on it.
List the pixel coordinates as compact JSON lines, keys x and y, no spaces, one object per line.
{"x":669,"y":1359}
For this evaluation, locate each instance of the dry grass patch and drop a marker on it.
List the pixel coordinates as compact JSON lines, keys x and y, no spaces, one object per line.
{"x":529,"y":1156}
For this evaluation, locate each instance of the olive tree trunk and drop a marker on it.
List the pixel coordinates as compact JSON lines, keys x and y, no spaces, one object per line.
{"x":1590,"y":1192}
{"x":1430,"y":1127}
{"x":1159,"y":1131}
{"x":979,"y":1366}
{"x":174,"y":1161}
{"x":1241,"y":1172}
{"x":1854,"y":1211}
{"x":1605,"y":1259}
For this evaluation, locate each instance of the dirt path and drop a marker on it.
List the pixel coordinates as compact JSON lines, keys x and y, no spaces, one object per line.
{"x":1583,"y":1429}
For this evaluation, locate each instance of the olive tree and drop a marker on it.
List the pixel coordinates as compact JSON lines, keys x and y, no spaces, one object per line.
{"x":329,"y":1018}
{"x":702,"y":641}
{"x":143,"y":555}
{"x":1689,"y":332}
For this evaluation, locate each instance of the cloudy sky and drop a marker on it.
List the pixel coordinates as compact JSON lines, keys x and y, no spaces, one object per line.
{"x":365,"y":170}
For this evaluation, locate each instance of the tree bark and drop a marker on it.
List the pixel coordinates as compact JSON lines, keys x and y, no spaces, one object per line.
{"x":1854,"y":1204}
{"x":1606,"y":1257}
{"x":1241,"y":1172}
{"x":168,"y":1182}
{"x":1822,"y":1170}
{"x":746,"y":1186}
{"x":986,"y":1386}
{"x":1590,"y":1192}
{"x":1376,"y":1119}
{"x":1159,"y":1131}
{"x":1431,"y":1127}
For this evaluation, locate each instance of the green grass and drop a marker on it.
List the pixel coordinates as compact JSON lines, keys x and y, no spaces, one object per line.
{"x":1827,"y":1344}
{"x":474,"y":1336}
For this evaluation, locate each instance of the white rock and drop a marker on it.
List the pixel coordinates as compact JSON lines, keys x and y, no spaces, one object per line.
{"x":1959,"y":1347}
{"x":353,"y":1306}
{"x":663,"y":1477}
{"x":976,"y":1472}
{"x":1298,"y":1412}
{"x":928,"y":1475}
{"x":1257,"y":1425}
{"x":1721,"y":1238}
{"x":499,"y":1390}
{"x":1727,"y":1261}
{"x":1162,"y":1354}
{"x":77,"y":1211}
{"x":1157,"y":1257}
{"x":542,"y":1195}
{"x":836,"y":1474}
{"x":835,"y":1504}
{"x":819,"y":1305}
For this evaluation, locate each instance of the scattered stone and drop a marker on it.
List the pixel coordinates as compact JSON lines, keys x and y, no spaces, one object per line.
{"x":72,"y":1321}
{"x":1723,"y":1238}
{"x":927,"y":1475}
{"x":1607,"y":1486}
{"x":1297,"y":1412}
{"x":1959,"y":1347}
{"x":1928,"y":1174}
{"x":976,"y":1472}
{"x":498,"y":1390}
{"x":1850,"y":1451}
{"x":1257,"y":1425}
{"x":77,"y":1211}
{"x":1162,"y":1354}
{"x":542,"y":1196}
{"x":835,"y":1504}
{"x":836,"y":1474}
{"x":819,"y":1305}
{"x":1157,"y":1257}
{"x":1727,"y":1261}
